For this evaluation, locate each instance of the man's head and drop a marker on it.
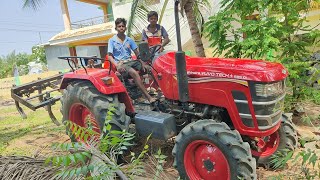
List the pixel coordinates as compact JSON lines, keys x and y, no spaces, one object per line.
{"x":121,"y":24}
{"x":153,"y":17}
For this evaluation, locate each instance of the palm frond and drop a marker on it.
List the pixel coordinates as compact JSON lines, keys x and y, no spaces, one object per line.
{"x":138,"y":19}
{"x":33,"y":4}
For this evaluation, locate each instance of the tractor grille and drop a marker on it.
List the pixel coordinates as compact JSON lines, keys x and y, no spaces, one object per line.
{"x":267,"y":111}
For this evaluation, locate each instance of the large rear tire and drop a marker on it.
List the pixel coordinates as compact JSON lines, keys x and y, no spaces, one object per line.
{"x":84,"y":105}
{"x":284,"y":139}
{"x":210,"y":150}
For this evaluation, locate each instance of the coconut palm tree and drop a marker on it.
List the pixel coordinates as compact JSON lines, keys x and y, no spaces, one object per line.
{"x":192,"y":11}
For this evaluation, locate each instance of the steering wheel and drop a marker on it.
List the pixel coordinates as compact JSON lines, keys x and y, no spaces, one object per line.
{"x":154,"y":49}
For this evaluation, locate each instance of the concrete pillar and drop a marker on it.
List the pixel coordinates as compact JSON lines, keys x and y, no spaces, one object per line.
{"x":105,"y":12}
{"x":73,"y":52}
{"x":65,"y":14}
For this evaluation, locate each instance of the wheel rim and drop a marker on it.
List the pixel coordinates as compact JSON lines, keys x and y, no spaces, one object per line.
{"x":204,"y":160}
{"x":270,"y":146}
{"x":83,"y":117}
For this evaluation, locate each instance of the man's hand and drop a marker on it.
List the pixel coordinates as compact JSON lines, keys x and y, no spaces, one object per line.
{"x":145,"y":67}
{"x":161,"y":49}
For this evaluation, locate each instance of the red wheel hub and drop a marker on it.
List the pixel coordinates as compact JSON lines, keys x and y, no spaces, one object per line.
{"x":82,"y":116}
{"x":204,"y":160}
{"x":267,"y":147}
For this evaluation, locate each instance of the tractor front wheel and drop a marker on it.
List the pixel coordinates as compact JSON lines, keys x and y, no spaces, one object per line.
{"x":209,"y":150}
{"x":284,"y":139}
{"x":85,"y":106}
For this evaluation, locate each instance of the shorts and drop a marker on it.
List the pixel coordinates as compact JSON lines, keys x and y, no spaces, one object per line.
{"x":136,"y":65}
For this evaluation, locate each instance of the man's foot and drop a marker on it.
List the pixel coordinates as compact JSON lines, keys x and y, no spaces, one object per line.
{"x":145,"y":101}
{"x":152,"y":100}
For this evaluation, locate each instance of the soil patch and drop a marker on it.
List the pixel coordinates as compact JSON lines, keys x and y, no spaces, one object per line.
{"x":7,"y":103}
{"x":37,"y":144}
{"x":307,"y":113}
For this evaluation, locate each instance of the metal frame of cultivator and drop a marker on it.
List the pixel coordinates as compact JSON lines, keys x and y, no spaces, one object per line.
{"x":24,"y":94}
{"x":41,"y":90}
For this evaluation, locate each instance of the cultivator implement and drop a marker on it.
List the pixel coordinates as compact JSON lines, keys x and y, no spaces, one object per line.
{"x":37,"y":94}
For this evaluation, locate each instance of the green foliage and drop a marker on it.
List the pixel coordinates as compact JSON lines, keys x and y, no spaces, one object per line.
{"x":161,"y":159}
{"x":96,"y":154}
{"x":270,"y":29}
{"x":109,"y":145}
{"x":306,"y":164}
{"x":280,"y":158}
{"x":136,"y":166}
{"x":38,"y":54}
{"x":311,"y":93}
{"x":7,"y":63}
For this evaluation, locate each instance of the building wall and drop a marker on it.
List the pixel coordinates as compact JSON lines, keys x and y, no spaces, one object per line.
{"x":53,"y":52}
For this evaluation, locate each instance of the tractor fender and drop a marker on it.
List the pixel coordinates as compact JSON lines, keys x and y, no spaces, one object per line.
{"x":95,"y":77}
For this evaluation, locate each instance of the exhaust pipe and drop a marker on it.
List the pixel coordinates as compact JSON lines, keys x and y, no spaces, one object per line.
{"x":181,"y":62}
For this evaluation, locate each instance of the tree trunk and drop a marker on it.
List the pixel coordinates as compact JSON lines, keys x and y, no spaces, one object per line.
{"x":195,"y":34}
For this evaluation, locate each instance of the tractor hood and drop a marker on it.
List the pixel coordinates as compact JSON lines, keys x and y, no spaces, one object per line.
{"x":231,"y":68}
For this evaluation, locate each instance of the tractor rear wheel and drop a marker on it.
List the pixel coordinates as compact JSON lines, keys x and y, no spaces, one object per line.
{"x":84,"y":105}
{"x":284,"y":139}
{"x":210,"y":150}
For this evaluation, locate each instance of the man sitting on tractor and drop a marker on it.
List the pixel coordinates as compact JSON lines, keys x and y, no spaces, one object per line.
{"x":119,"y":54}
{"x":154,"y":33}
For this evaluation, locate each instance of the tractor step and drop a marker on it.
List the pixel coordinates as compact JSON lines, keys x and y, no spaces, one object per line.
{"x":159,"y":125}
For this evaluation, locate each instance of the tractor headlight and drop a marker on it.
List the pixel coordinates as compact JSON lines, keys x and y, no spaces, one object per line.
{"x":273,"y":89}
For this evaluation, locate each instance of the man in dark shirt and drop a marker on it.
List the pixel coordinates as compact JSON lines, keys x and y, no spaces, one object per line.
{"x":155,"y":30}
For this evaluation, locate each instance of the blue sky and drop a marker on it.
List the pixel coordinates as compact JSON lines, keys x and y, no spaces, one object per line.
{"x":20,"y":28}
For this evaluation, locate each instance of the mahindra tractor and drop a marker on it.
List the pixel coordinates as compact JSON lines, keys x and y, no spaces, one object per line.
{"x":226,"y":115}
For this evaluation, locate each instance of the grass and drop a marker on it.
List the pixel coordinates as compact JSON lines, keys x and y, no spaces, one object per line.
{"x":13,"y":128}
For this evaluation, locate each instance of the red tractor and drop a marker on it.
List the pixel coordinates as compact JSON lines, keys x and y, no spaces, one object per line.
{"x":226,"y":114}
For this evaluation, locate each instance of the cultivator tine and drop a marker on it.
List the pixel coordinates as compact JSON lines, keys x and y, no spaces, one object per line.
{"x":20,"y":110}
{"x":52,"y":117}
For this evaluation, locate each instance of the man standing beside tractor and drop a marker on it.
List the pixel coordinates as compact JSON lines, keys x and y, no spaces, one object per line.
{"x":119,"y":50}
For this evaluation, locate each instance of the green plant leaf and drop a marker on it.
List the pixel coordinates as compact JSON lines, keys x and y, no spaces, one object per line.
{"x":72,"y":158}
{"x":66,"y":161}
{"x":65,"y":174}
{"x":72,"y":173}
{"x":78,"y":171}
{"x":80,"y":157}
{"x":48,"y":160}
{"x":108,"y":128}
{"x":313,"y":159}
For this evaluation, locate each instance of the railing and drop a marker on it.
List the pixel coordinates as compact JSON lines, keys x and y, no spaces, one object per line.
{"x":92,"y":21}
